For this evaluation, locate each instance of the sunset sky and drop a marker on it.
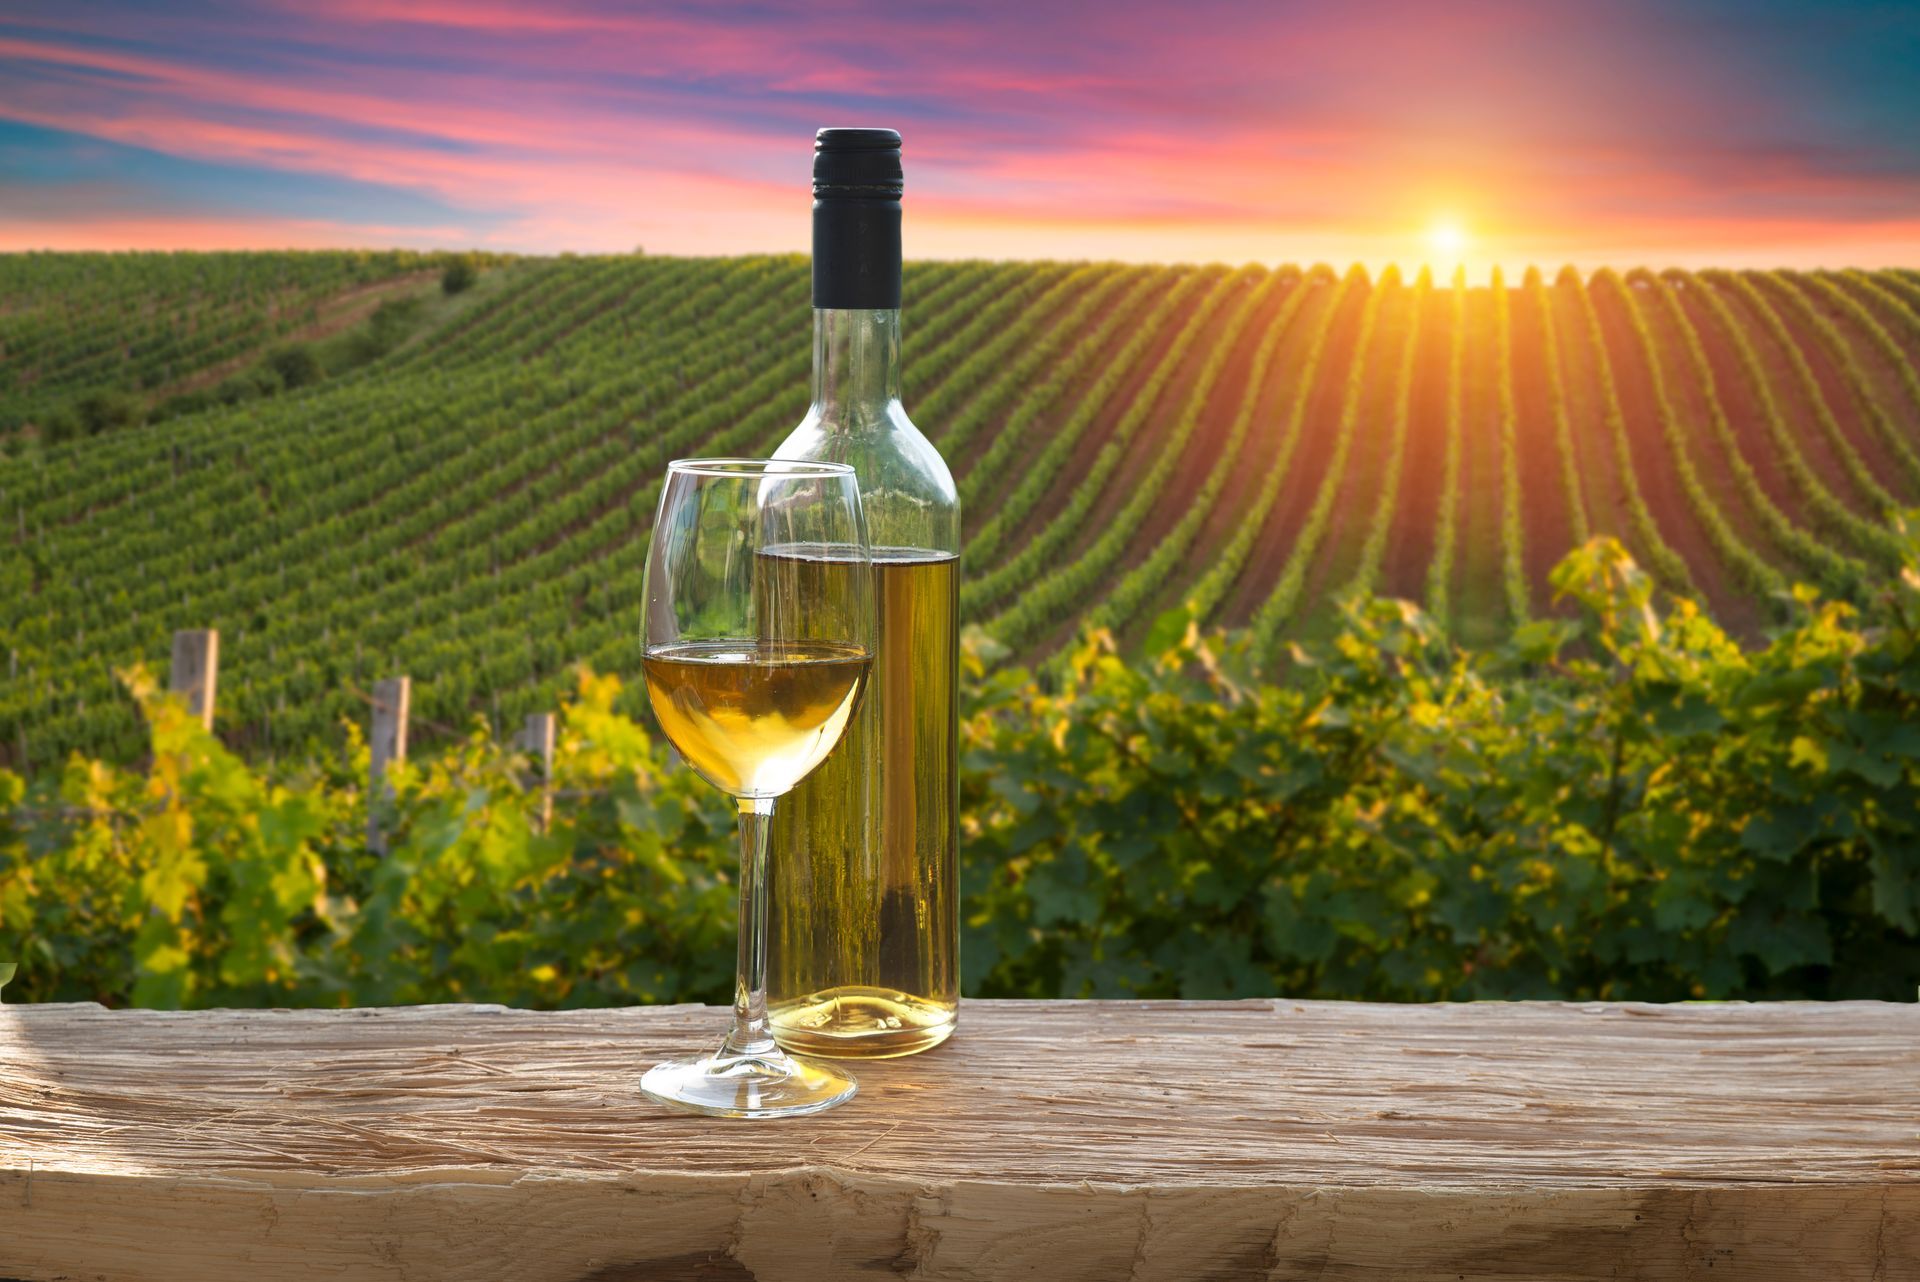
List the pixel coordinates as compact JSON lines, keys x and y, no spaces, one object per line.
{"x":1682,"y":133}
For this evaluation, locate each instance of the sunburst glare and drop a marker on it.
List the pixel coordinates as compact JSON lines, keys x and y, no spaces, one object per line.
{"x":1447,"y":238}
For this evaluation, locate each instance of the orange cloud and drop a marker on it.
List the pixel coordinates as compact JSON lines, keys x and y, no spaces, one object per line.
{"x":1556,"y":131}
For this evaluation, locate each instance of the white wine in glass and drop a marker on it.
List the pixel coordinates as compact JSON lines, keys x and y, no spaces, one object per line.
{"x":752,"y":720}
{"x":754,"y":674}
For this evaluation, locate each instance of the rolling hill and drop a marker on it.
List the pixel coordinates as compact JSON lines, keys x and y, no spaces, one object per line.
{"x":353,"y":474}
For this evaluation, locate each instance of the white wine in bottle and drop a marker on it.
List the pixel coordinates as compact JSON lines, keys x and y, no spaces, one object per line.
{"x":863,"y":871}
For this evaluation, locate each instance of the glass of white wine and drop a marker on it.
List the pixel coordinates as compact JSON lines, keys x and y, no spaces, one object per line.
{"x":754,"y":663}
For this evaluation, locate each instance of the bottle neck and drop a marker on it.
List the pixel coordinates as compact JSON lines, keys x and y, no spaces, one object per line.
{"x":856,"y":366}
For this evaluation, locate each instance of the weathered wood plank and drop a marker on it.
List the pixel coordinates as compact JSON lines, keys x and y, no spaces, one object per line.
{"x":1246,"y":1140}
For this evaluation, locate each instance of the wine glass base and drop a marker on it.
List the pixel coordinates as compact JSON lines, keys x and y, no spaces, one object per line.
{"x":768,"y":1083}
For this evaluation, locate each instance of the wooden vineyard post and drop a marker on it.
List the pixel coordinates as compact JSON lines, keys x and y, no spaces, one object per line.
{"x":537,"y":740}
{"x":386,"y":747}
{"x":195,"y":670}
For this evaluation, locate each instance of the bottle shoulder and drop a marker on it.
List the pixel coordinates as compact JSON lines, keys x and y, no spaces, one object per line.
{"x":889,"y":453}
{"x":905,"y":486}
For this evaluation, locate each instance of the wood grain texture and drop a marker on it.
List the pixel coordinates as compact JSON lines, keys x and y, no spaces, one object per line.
{"x":1271,"y":1140}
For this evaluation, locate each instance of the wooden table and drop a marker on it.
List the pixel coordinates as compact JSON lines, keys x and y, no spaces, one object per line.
{"x":1049,"y":1140}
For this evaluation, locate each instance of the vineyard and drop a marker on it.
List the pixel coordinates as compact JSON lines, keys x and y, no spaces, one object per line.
{"x":466,"y":499}
{"x":141,"y":335}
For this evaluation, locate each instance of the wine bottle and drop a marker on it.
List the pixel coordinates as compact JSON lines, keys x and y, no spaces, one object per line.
{"x":863,"y":871}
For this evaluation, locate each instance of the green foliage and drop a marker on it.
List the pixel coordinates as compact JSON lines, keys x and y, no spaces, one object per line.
{"x":1031,"y":387}
{"x":1285,"y":597}
{"x":181,"y":404}
{"x":58,"y":425}
{"x":1665,"y":563}
{"x":1786,"y":287}
{"x":1445,"y":541}
{"x":465,"y":496}
{"x":297,"y":365}
{"x":389,"y":325}
{"x":1858,"y":470}
{"x":1232,"y":559}
{"x":1836,"y":573}
{"x":1760,"y":578}
{"x":107,"y":410}
{"x":1054,"y":595}
{"x":460,"y":274}
{"x":1374,"y":550}
{"x":1564,"y":446}
{"x":1513,"y":574}
{"x":201,"y":882}
{"x":998,"y":356}
{"x":1151,"y":575}
{"x":145,"y":322}
{"x":254,"y":384}
{"x":1626,"y":805}
{"x":1713,"y":292}
{"x":986,"y":588}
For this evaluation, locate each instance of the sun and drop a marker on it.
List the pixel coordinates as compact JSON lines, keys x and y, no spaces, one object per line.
{"x":1447,"y":237}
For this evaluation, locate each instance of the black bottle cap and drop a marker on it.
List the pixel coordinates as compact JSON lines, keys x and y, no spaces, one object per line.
{"x":856,"y":218}
{"x":856,"y":164}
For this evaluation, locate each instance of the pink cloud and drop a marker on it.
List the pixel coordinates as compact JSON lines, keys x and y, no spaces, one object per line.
{"x":571,"y":125}
{"x":113,"y":230}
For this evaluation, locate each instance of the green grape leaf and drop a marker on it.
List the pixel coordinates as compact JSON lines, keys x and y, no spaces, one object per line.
{"x":1169,"y":630}
{"x":1060,"y":889}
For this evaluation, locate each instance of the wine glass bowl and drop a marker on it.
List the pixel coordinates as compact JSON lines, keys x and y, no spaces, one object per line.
{"x":752,"y":720}
{"x":754,"y":666}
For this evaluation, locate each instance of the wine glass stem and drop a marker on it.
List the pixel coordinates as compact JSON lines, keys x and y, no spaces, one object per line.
{"x":752,"y":1035}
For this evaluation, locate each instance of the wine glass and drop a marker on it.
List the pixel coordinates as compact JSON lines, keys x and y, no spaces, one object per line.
{"x":758,"y":638}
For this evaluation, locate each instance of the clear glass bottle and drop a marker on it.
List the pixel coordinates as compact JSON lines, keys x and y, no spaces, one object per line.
{"x":863,"y":872}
